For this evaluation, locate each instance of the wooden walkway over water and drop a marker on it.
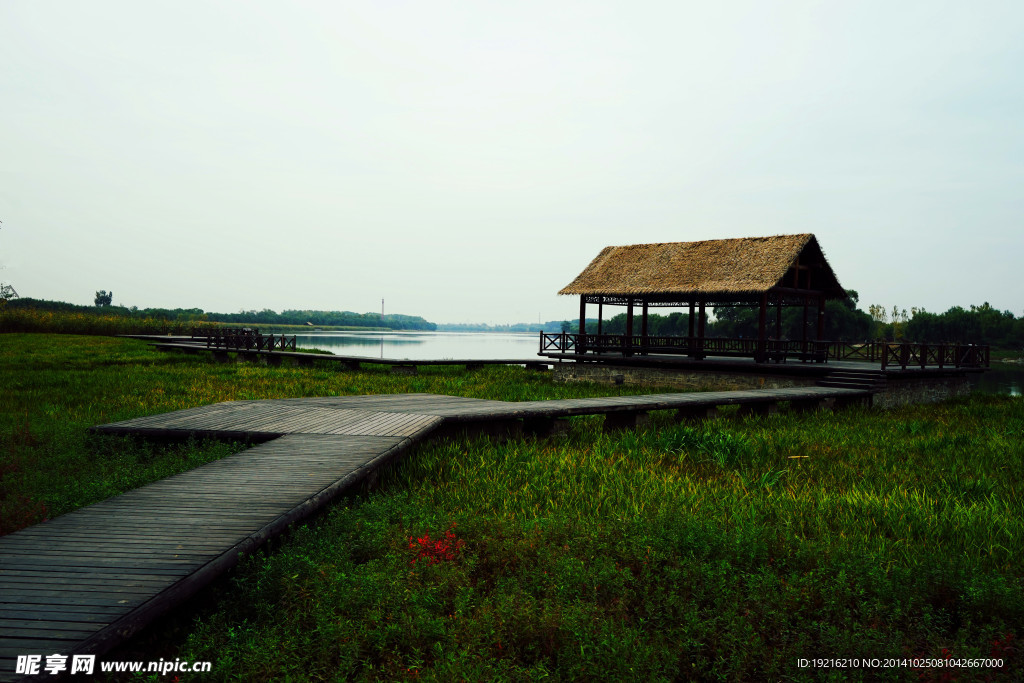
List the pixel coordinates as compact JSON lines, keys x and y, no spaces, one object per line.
{"x":88,"y":580}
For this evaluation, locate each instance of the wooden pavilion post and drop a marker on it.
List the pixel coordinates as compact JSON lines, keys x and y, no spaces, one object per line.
{"x":778,"y":316}
{"x":600,"y":315}
{"x":690,"y":322}
{"x":762,"y":314}
{"x":803,"y":331}
{"x":627,"y":348}
{"x":643,"y":329}
{"x":819,"y":347}
{"x":821,"y":316}
{"x":581,"y":346}
{"x":700,"y":332}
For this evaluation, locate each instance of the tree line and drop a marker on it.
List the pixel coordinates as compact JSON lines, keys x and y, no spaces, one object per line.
{"x":266,"y":316}
{"x":393,"y":321}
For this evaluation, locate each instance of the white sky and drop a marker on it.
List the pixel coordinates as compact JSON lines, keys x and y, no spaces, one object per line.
{"x":465,"y":160}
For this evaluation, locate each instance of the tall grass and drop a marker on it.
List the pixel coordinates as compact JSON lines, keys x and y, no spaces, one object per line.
{"x":725,"y":550}
{"x":70,"y":322}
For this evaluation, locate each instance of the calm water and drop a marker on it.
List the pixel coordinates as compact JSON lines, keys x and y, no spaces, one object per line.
{"x":1003,"y":378}
{"x":425,"y":345}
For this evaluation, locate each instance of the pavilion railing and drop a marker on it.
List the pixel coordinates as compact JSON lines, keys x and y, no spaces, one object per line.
{"x":936,"y":355}
{"x":911,"y":354}
{"x":234,"y":339}
{"x":901,"y":354}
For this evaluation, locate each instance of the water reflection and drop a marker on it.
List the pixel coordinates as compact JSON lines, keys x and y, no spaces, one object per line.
{"x":1003,"y":378}
{"x":425,"y":345}
{"x":353,"y":339}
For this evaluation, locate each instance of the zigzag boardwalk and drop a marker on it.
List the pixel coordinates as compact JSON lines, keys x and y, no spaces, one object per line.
{"x":86,"y":581}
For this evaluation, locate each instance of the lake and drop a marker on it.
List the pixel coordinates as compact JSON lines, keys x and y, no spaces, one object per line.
{"x":426,"y":345}
{"x":1003,"y":378}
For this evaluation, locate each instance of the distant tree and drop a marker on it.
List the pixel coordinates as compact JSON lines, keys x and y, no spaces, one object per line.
{"x":843,"y":320}
{"x":899,"y":320}
{"x":104,"y":298}
{"x":735,"y":321}
{"x":982,"y":324}
{"x":880,"y":319}
{"x":674,"y":325}
{"x":566,"y":326}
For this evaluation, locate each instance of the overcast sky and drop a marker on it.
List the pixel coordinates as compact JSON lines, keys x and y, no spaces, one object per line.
{"x":465,"y":160}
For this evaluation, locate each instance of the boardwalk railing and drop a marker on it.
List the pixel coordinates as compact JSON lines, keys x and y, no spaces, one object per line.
{"x":245,"y":339}
{"x":902,"y":354}
{"x":771,"y":349}
{"x":936,"y":355}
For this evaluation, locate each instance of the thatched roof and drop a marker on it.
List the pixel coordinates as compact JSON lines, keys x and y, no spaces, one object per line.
{"x":744,"y":267}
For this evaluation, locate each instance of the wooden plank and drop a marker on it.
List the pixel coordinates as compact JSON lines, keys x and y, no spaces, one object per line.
{"x":394,"y":423}
{"x":254,"y":422}
{"x":35,"y":534}
{"x":80,"y":598}
{"x":56,"y":612}
{"x":89,"y":626}
{"x":76,"y":547}
{"x":12,"y":647}
{"x":153,"y":565}
{"x":178,"y":569}
{"x":166,"y":526}
{"x":88,"y":554}
{"x":23,"y":629}
{"x":307,"y":420}
{"x":55,"y":580}
{"x":57,"y":615}
{"x":330,"y":420}
{"x":345,"y":422}
{"x":375,"y":424}
{"x":85,"y":574}
{"x":218,"y":422}
{"x":49,"y":594}
{"x":380,"y":424}
{"x":200,"y":418}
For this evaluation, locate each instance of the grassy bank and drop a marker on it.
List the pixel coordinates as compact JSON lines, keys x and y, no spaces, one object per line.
{"x":718,"y":551}
{"x":99,"y":322}
{"x":30,"y":320}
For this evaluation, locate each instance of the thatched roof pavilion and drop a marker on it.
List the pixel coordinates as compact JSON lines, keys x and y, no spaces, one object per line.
{"x":715,"y":270}
{"x":753,"y":271}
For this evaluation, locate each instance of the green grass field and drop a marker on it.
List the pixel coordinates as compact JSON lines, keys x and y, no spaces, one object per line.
{"x":725,"y":550}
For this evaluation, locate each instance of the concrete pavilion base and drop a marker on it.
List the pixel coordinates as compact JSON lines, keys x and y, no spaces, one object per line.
{"x":899,"y":387}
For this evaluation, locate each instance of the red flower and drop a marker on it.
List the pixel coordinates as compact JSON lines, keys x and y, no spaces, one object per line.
{"x":441,"y":549}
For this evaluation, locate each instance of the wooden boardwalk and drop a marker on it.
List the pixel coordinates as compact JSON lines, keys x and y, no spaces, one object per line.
{"x":86,"y":581}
